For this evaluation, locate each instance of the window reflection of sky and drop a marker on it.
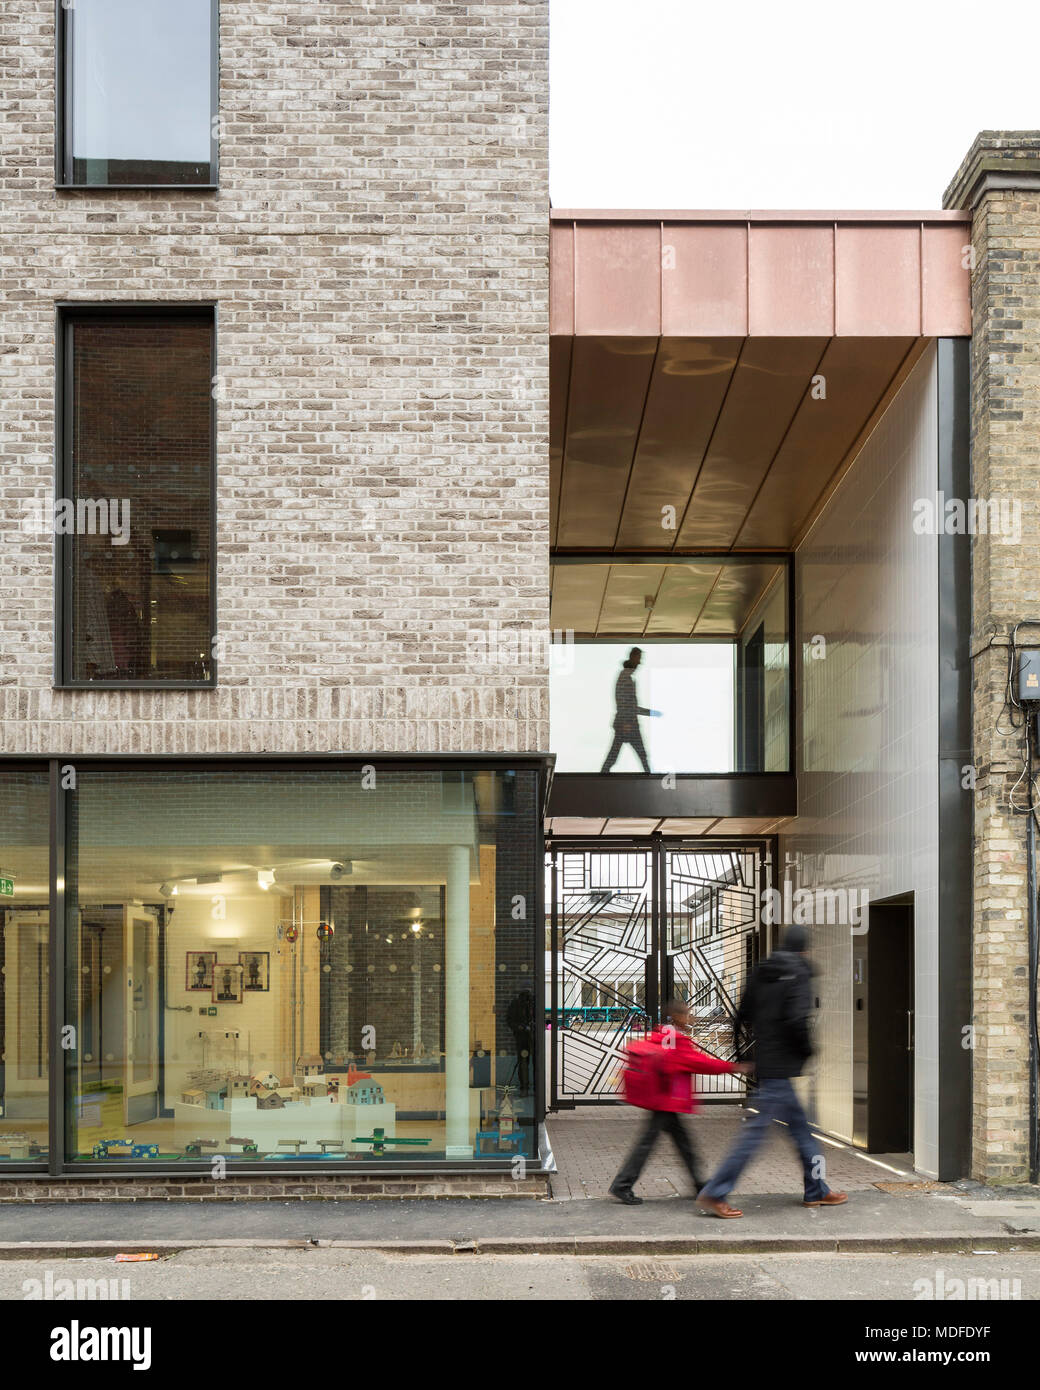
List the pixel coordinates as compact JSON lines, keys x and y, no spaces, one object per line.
{"x":690,"y":683}
{"x":141,"y":79}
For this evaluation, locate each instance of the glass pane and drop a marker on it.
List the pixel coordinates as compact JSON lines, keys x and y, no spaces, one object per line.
{"x":275,"y":965}
{"x":25,"y":976}
{"x":140,"y":509}
{"x":139,"y":91}
{"x":702,"y":686}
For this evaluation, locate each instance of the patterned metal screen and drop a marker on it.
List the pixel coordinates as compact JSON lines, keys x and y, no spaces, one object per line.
{"x":633,"y":925}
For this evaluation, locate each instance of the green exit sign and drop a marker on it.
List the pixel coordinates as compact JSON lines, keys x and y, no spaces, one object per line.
{"x":6,"y":887}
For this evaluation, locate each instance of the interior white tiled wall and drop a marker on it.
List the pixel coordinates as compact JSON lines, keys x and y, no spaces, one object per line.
{"x":867,"y":742}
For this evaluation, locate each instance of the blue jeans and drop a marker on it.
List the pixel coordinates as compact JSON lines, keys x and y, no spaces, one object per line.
{"x":775,"y":1099}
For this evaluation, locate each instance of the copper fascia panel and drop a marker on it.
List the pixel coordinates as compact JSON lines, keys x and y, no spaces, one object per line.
{"x":718,"y":274}
{"x":617,"y":280}
{"x":877,"y":281}
{"x":846,"y":215}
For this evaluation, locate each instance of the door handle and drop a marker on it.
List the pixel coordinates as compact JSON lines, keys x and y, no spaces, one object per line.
{"x":909,"y":1030}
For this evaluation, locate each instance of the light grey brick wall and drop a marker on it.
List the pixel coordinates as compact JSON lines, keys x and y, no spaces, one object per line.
{"x":378,"y":252}
{"x":999,"y":181}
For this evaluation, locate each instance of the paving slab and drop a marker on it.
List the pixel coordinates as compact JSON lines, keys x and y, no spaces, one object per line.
{"x":870,"y":1221}
{"x":891,"y":1208}
{"x":589,"y":1145}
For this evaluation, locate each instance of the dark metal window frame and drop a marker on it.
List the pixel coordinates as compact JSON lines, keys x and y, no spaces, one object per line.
{"x":57,"y":1165}
{"x":66,"y":313}
{"x":63,"y":114}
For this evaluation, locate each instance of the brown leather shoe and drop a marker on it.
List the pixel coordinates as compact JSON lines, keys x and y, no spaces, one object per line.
{"x":832,"y":1199}
{"x":721,"y":1209}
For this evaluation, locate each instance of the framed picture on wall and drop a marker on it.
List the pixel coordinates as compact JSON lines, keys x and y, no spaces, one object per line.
{"x":256,"y":966}
{"x":227,"y":982}
{"x":198,"y":970}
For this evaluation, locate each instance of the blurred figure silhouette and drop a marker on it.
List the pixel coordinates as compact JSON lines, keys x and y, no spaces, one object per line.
{"x":627,"y":710}
{"x":520,"y":1019}
{"x":776,"y":1006}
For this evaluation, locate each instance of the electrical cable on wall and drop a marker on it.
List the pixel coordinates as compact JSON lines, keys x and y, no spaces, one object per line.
{"x":1029,"y":714}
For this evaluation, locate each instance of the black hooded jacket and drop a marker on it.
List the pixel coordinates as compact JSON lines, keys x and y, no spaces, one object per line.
{"x":775,"y":1010}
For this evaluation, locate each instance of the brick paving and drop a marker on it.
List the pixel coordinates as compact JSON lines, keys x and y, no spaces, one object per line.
{"x":589,"y":1144}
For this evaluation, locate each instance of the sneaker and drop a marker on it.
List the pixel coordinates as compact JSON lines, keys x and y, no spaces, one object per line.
{"x":832,"y":1199}
{"x":628,"y":1198}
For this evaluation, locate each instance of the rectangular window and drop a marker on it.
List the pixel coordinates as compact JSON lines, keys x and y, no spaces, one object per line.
{"x":138,"y":93}
{"x":134,"y":512}
{"x":286,"y":965}
{"x":679,"y":666}
{"x":25,"y":972}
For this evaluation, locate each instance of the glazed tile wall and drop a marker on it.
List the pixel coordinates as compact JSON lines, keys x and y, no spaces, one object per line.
{"x":867,"y":741}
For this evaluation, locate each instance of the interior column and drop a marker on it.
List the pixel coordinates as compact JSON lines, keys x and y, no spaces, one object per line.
{"x":458,"y":1141}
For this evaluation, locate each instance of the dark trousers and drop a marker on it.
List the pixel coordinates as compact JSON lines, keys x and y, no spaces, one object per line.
{"x":775,"y":1099}
{"x":658,"y":1122}
{"x":620,"y":739}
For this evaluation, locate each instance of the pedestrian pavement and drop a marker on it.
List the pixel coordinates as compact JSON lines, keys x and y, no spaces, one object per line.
{"x":590,"y":1142}
{"x":890,"y":1210}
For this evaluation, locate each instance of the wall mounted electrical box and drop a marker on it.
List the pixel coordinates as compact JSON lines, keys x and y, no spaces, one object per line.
{"x":1029,"y":675}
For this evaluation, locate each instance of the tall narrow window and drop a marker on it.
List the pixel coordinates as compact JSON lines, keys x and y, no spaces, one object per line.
{"x":139,"y":93}
{"x":134,"y":515}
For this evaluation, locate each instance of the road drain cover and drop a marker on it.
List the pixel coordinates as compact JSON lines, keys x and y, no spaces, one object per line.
{"x":909,"y":1189}
{"x":652,"y":1272}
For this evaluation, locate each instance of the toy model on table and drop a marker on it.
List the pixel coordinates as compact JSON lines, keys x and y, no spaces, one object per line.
{"x":379,"y":1141}
{"x":124,"y":1148}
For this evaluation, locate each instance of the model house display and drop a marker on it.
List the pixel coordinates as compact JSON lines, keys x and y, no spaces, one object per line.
{"x":360,"y":1089}
{"x":18,"y":1146}
{"x":506,"y":1134}
{"x":312,"y":1107}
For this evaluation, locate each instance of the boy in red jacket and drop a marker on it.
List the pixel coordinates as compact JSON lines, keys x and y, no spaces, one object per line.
{"x":680,"y":1059}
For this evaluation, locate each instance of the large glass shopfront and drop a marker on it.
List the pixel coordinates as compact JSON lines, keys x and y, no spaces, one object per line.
{"x":25,"y":967}
{"x":271,"y":963}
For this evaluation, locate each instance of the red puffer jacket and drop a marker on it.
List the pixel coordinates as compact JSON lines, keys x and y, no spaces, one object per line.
{"x":680,"y":1060}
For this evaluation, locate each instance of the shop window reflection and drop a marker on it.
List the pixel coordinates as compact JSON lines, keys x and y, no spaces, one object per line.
{"x":287,"y":967}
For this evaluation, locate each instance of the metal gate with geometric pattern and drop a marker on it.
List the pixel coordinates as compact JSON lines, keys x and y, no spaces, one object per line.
{"x":632,"y":925}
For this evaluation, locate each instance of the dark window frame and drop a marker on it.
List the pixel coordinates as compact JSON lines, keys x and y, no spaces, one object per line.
{"x":66,"y":313}
{"x":63,"y":114}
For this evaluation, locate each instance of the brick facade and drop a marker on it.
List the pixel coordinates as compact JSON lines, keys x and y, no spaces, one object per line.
{"x":999,"y":181}
{"x":377,"y":253}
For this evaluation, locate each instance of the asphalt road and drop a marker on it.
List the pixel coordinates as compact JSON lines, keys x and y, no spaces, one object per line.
{"x":309,"y":1275}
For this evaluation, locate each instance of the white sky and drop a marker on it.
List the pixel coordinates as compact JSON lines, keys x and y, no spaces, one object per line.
{"x":766,"y":104}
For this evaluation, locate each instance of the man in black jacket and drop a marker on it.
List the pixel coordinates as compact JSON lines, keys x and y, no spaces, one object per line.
{"x":626,"y":717}
{"x":775,"y":1008}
